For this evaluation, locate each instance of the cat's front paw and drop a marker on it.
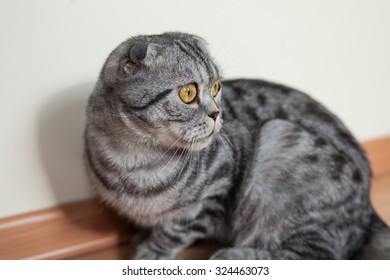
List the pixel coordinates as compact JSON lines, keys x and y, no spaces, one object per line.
{"x":240,"y":254}
{"x":146,"y":253}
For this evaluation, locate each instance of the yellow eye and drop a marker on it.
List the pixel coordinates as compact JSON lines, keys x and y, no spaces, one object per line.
{"x":216,"y":88}
{"x":187,"y":93}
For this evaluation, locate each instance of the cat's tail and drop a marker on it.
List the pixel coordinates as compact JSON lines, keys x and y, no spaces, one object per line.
{"x":377,"y":246}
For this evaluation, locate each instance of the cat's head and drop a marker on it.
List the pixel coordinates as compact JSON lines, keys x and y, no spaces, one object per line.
{"x":166,"y":88}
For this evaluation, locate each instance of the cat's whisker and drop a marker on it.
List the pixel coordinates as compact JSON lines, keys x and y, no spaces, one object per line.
{"x":162,"y":156}
{"x":232,"y":131}
{"x":226,"y":127}
{"x":225,"y":146}
{"x":228,"y":141}
{"x":198,"y":164}
{"x":188,"y":153}
{"x":224,"y":124}
{"x":187,"y":157}
{"x":157,"y":176}
{"x":201,"y":161}
{"x":223,"y":134}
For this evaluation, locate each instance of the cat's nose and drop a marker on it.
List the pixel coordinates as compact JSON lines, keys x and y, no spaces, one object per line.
{"x":214,"y":115}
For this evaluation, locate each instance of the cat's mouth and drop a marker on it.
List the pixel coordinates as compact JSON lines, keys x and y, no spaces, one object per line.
{"x":203,"y":139}
{"x":206,"y":140}
{"x":196,"y":138}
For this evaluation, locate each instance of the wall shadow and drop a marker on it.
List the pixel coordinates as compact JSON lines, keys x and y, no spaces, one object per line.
{"x":61,"y":125}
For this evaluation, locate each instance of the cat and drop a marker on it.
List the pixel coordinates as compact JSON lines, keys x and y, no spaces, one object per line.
{"x":260,"y":167}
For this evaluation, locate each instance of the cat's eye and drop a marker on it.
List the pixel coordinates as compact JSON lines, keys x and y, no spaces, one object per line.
{"x":216,"y":88}
{"x":188,"y":93}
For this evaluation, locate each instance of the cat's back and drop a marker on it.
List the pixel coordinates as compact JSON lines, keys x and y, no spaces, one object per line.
{"x":251,"y":103}
{"x":247,"y":105}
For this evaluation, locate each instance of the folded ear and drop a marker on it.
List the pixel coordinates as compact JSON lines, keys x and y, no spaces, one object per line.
{"x":141,"y":53}
{"x":200,"y":42}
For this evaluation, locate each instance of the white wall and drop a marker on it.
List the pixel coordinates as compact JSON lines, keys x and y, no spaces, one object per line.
{"x":51,"y":53}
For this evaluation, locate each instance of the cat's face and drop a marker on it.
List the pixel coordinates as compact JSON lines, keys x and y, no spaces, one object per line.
{"x":168,"y":90}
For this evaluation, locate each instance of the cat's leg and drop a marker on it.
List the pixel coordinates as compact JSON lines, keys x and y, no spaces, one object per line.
{"x":258,"y":254}
{"x":203,"y":220}
{"x":158,"y":245}
{"x":236,"y":253}
{"x":165,"y":242}
{"x":297,"y":246}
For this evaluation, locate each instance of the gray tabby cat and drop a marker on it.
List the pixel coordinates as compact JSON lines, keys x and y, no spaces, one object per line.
{"x":282,"y":178}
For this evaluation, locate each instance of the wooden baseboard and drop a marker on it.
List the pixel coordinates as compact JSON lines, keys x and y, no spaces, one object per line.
{"x":89,"y":230}
{"x":62,"y":232}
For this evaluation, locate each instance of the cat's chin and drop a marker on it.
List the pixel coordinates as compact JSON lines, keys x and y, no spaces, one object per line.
{"x":201,"y":144}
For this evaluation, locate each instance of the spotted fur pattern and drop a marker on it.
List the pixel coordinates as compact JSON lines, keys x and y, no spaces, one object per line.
{"x":262,"y":168}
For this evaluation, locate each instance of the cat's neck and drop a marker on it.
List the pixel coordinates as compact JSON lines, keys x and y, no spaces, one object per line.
{"x":150,"y":167}
{"x":138,"y":156}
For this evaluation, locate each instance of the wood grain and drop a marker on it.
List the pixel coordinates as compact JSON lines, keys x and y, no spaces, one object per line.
{"x":61,"y":232}
{"x":89,"y":230}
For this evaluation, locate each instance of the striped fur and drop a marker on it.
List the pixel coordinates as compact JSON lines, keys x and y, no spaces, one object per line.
{"x":282,"y":178}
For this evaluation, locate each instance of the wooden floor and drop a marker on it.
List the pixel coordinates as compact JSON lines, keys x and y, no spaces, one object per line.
{"x":89,"y":230}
